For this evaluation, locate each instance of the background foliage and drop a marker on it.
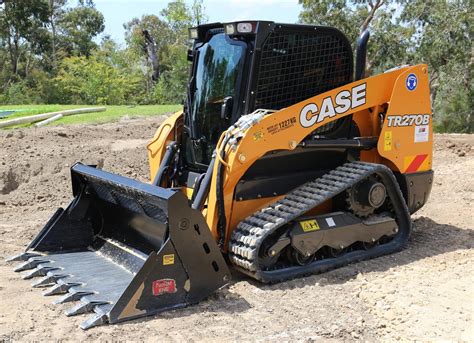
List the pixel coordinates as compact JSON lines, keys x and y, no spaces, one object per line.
{"x":53,"y":51}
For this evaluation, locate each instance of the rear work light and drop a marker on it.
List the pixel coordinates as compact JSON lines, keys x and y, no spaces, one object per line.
{"x":240,"y":28}
{"x":244,"y":28}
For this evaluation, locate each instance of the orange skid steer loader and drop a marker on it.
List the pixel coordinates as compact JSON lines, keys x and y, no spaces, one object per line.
{"x":284,"y":162}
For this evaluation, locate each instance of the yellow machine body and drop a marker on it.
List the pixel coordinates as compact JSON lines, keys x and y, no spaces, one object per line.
{"x":401,"y":146}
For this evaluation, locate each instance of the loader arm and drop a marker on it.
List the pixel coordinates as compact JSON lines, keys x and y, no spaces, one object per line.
{"x":157,"y":146}
{"x":285,"y":129}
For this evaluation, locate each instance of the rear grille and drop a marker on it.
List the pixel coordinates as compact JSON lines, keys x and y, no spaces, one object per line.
{"x":297,"y":66}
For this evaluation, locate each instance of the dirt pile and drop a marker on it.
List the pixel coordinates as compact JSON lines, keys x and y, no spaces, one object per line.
{"x":424,"y":292}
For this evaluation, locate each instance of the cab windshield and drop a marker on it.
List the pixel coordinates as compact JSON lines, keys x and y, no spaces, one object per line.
{"x":217,"y":76}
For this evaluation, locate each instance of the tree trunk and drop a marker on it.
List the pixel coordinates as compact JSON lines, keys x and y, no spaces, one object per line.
{"x":12,"y":42}
{"x":373,"y":8}
{"x":150,"y":48}
{"x":15,"y":54}
{"x":433,"y":88}
{"x":27,"y":66}
{"x":53,"y":34}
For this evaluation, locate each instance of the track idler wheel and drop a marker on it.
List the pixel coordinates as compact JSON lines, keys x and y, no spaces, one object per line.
{"x":298,"y":258}
{"x":366,"y":196}
{"x":369,"y":245}
{"x":333,"y":252}
{"x":268,"y":261}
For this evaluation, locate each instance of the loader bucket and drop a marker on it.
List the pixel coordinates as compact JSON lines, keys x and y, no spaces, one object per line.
{"x":124,"y":249}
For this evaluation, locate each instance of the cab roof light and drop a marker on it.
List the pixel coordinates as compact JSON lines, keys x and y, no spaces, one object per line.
{"x":244,"y":28}
{"x":241,"y":28}
{"x":193,"y":33}
{"x":229,"y":29}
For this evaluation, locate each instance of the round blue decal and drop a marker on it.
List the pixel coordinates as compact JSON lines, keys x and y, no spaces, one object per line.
{"x":412,"y":82}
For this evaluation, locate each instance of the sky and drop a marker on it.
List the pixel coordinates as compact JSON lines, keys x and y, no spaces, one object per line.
{"x":118,"y":12}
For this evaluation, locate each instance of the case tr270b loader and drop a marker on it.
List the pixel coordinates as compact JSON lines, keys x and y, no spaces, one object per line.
{"x":284,"y":162}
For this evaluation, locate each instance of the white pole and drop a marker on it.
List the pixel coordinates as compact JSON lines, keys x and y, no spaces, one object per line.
{"x":43,"y":116}
{"x":49,"y":120}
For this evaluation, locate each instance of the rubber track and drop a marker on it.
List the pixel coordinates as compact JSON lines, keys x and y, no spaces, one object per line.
{"x":249,"y":235}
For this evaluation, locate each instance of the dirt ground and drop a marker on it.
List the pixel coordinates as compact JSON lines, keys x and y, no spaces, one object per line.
{"x":422,"y":293}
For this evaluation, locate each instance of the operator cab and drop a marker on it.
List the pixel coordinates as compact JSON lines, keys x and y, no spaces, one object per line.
{"x":243,"y":66}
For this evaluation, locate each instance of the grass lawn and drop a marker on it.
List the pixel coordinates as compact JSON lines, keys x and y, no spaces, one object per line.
{"x":112,"y":113}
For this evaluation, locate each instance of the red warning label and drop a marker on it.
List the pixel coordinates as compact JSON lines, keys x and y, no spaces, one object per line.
{"x":163,"y":286}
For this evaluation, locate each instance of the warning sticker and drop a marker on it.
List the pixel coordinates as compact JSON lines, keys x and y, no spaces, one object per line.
{"x":416,"y":163}
{"x":168,"y":259}
{"x":421,"y":133}
{"x":330,"y":221}
{"x":163,"y":286}
{"x":387,"y":141}
{"x":309,"y":225}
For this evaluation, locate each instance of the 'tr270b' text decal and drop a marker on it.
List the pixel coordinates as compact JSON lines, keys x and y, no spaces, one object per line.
{"x":408,"y":120}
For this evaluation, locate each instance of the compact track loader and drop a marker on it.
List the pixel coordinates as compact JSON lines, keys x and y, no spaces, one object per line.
{"x":284,"y":162}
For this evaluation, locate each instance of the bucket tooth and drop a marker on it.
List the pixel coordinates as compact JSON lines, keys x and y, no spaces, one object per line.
{"x":32,"y":273}
{"x":72,"y":296}
{"x":47,"y":280}
{"x":38,"y":271}
{"x":59,"y":289}
{"x":95,"y":320}
{"x":25,"y":256}
{"x":30,"y":264}
{"x":83,"y":307}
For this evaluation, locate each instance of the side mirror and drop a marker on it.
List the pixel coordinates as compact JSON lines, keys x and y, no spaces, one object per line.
{"x":190,"y":55}
{"x":226,"y":109}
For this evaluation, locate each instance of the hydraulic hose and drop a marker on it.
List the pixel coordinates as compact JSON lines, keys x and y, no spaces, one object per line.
{"x":204,"y":187}
{"x":222,"y":222}
{"x":165,"y":164}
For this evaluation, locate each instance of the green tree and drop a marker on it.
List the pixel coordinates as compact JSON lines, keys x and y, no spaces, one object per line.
{"x":93,"y":80}
{"x":435,"y":32}
{"x":442,"y":36}
{"x":34,"y":36}
{"x":387,"y":47}
{"x":56,"y":12}
{"x":22,"y":29}
{"x":443,"y":40}
{"x":199,"y":12}
{"x":350,"y":16}
{"x":169,"y":31}
{"x":160,"y":33}
{"x":79,"y":26}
